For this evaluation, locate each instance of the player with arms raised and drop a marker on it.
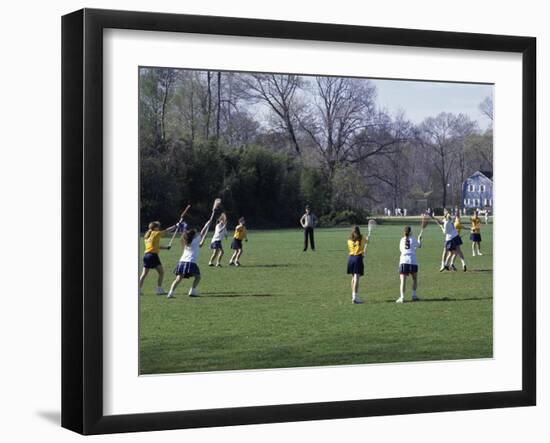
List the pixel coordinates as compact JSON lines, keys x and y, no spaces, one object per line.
{"x":407,"y":262}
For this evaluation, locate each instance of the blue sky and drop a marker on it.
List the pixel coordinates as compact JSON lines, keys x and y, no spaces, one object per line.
{"x":427,"y":99}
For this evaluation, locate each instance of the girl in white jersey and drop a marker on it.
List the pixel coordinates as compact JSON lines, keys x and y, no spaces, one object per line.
{"x":452,"y":242}
{"x":407,"y":262}
{"x":187,"y":266}
{"x":220,"y":232}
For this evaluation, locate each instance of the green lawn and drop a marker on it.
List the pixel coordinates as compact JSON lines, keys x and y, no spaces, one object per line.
{"x":288,"y":308}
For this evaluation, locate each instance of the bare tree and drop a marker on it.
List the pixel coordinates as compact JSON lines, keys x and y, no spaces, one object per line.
{"x":344,"y":125}
{"x":445,"y":135}
{"x":486,"y":107}
{"x":278,"y":91}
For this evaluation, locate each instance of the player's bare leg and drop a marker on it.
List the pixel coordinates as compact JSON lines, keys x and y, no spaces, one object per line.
{"x":461,"y":255}
{"x":173,"y":287}
{"x":220,"y":255}
{"x":160,"y":271}
{"x":142,"y":279}
{"x":355,"y":289}
{"x":414,"y":276}
{"x":402,"y":286}
{"x":444,"y":257}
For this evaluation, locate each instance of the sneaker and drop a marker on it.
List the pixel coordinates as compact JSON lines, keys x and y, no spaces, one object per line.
{"x":170,"y":295}
{"x":399,"y":300}
{"x":453,"y":267}
{"x":161,"y":291}
{"x":231,"y":263}
{"x":443,"y":268}
{"x":473,"y":254}
{"x":479,"y":253}
{"x":193,"y":292}
{"x":237,"y":263}
{"x":357,"y":301}
{"x":464,"y":268}
{"x":416,"y":298}
{"x":218,"y":265}
{"x":210,"y":263}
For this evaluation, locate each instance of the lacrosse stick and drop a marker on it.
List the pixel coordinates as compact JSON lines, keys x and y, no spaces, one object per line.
{"x":370,"y":226}
{"x":177,"y":226}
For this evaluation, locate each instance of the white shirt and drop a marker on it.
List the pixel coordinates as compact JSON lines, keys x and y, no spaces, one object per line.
{"x":220,"y":232}
{"x":449,"y":229}
{"x":191,"y":252}
{"x":308,"y":220}
{"x":408,"y":255}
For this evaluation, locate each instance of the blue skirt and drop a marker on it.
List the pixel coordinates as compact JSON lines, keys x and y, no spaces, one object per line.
{"x":216,"y":245}
{"x":151,"y":260}
{"x":453,"y":243}
{"x":475,"y":237}
{"x":356,"y":265}
{"x":406,"y":269}
{"x":187,"y":269}
{"x":236,"y":244}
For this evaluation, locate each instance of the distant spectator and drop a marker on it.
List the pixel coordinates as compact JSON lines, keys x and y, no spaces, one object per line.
{"x":308,"y":222}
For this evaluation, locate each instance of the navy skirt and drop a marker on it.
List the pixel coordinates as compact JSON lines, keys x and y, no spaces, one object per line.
{"x":216,"y":245}
{"x":475,"y":237}
{"x":187,"y":269}
{"x":406,"y":269}
{"x":151,"y":260}
{"x":236,"y":244}
{"x":453,"y":243}
{"x":355,"y":265}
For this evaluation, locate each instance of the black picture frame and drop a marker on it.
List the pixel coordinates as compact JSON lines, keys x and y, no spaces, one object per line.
{"x":82,"y":230}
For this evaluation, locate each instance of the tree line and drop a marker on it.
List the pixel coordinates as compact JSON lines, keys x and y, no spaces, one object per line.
{"x":268,"y":144}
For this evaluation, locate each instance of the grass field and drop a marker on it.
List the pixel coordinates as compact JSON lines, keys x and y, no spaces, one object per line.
{"x":288,"y":308}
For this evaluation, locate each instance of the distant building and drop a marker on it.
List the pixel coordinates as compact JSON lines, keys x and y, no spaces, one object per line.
{"x":477,"y":190}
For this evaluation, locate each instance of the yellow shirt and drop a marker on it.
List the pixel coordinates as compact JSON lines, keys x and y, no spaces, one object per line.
{"x":357,"y":247}
{"x":476,"y":225}
{"x":240,"y":232}
{"x":152,"y":243}
{"x":458,"y":226}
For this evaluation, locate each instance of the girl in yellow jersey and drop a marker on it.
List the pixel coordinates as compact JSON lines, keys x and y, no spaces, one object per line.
{"x":475,"y":233}
{"x":151,"y":258}
{"x":458,"y":227}
{"x":357,"y":246}
{"x":237,"y":243}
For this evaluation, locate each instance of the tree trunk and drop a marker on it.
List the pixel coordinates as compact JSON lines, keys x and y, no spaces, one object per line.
{"x":209,"y":103}
{"x":219,"y":105}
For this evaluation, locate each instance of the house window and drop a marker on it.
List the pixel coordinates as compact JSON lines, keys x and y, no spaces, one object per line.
{"x":465,"y":202}
{"x":482,"y":188}
{"x":484,"y":202}
{"x":491,"y":202}
{"x":476,"y":202}
{"x":471,"y":188}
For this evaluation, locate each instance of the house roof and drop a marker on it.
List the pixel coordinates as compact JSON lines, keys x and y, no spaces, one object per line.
{"x":488,"y":174}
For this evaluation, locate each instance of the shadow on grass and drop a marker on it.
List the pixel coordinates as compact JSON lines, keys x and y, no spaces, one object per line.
{"x":235,"y":294}
{"x":480,"y":270}
{"x":269,"y":266}
{"x":436,"y":299}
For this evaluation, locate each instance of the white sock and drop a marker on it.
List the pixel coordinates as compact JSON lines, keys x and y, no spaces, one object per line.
{"x":353,"y":295}
{"x":401,"y":294}
{"x":463,"y":262}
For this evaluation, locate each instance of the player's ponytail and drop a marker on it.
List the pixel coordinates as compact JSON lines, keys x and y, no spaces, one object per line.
{"x":407,"y":232}
{"x":355,"y":234}
{"x":188,"y":236}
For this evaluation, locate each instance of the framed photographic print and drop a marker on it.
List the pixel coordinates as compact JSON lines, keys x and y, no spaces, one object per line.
{"x":270,"y":221}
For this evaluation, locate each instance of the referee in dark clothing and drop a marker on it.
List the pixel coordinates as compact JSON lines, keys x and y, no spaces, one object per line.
{"x":308,"y":222}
